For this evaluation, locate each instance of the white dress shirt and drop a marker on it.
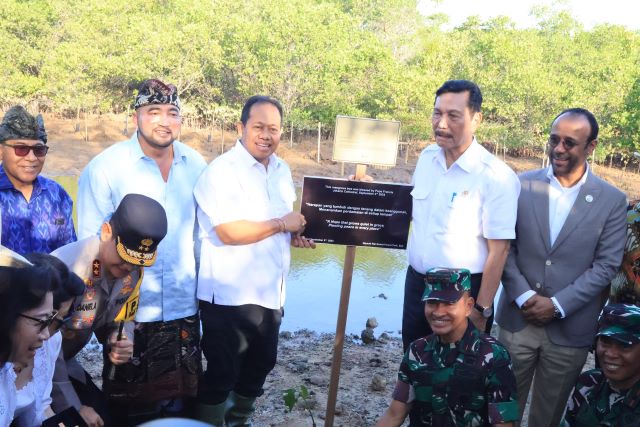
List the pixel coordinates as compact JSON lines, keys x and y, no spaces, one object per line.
{"x":561,"y":200}
{"x":456,"y":210}
{"x":236,"y":187}
{"x":169,"y":286}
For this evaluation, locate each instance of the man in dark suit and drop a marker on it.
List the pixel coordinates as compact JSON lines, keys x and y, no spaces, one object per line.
{"x":570,"y":236}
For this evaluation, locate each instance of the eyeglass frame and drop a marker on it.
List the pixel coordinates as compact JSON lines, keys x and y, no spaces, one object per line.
{"x":33,"y":148}
{"x":568,"y":145}
{"x":61,"y":322}
{"x":43,"y":323}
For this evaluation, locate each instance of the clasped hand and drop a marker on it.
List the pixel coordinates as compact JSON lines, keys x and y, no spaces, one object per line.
{"x":538,"y":310}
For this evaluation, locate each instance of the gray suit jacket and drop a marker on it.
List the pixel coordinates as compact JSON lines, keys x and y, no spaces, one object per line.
{"x":579,"y":265}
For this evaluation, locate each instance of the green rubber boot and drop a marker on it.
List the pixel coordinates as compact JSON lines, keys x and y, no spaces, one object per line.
{"x":240,"y":409}
{"x":212,"y":414}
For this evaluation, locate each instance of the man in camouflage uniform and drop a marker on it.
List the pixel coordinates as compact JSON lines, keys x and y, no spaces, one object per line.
{"x":111,"y":266}
{"x":610,"y":396}
{"x":457,"y":376}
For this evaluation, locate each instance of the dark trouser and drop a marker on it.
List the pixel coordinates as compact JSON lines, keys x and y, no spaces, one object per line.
{"x":414,"y":322}
{"x":240,"y":344}
{"x":91,"y":395}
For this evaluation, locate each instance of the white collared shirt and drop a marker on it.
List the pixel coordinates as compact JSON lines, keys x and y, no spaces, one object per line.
{"x":561,"y":200}
{"x":456,"y":210}
{"x":236,"y":187}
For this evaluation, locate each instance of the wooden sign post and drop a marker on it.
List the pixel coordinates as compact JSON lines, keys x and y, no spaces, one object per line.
{"x":360,"y":141}
{"x":341,"y":324}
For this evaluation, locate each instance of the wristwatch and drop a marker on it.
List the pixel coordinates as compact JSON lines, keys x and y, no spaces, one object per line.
{"x":556,"y":311}
{"x":485,"y":311}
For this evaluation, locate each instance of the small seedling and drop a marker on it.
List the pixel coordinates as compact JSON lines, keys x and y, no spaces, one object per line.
{"x":291,"y":397}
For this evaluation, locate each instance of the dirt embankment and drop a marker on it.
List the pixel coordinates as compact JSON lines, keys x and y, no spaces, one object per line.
{"x":70,"y":152}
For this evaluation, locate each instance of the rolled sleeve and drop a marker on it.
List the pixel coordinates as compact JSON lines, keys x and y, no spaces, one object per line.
{"x":500,"y":207}
{"x":403,"y":391}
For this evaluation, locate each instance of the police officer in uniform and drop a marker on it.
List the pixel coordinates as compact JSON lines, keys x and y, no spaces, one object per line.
{"x":111,"y":266}
{"x":610,"y":396}
{"x":457,"y":376}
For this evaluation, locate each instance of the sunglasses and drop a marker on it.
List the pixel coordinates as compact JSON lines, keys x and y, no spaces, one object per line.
{"x":22,"y":150}
{"x":42,"y":323}
{"x":554,"y":141}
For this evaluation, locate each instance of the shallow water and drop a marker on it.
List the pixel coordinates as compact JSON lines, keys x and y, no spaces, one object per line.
{"x":314,"y":284}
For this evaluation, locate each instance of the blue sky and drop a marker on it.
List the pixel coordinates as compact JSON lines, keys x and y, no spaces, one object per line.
{"x":588,"y":12}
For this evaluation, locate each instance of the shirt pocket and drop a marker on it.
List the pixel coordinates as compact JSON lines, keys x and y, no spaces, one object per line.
{"x":421,"y":199}
{"x":465,"y":213}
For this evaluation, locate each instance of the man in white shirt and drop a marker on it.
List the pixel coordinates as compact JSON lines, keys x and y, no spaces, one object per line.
{"x":464,"y":209}
{"x":245,"y":214}
{"x":570,"y":239}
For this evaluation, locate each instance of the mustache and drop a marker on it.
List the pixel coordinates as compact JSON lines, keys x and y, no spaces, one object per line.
{"x":433,"y":317}
{"x":444,"y":134}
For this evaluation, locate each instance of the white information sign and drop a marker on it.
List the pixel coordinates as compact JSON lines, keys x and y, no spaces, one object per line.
{"x":366,"y":141}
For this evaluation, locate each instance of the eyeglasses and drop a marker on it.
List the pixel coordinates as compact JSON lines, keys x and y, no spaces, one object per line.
{"x":62,"y":322}
{"x":554,"y":141}
{"x":22,"y":150}
{"x":43,"y":323}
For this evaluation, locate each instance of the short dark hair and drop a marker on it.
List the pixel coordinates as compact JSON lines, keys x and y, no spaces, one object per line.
{"x":21,"y":289}
{"x":593,"y":123}
{"x":458,"y":86}
{"x":68,"y":286}
{"x":259,"y":99}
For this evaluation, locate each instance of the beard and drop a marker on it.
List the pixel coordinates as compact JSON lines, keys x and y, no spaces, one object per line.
{"x":156,"y":141}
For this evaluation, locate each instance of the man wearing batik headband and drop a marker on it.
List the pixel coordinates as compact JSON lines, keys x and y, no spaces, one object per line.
{"x":111,"y":266}
{"x":152,"y":162}
{"x":36,"y":211}
{"x":610,"y":396}
{"x":458,"y":375}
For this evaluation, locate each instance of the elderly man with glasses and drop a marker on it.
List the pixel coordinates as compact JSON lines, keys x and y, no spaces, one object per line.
{"x":36,"y":211}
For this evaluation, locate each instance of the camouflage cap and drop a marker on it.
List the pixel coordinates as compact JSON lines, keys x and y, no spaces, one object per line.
{"x":446,"y":284}
{"x":17,"y":123}
{"x":621,"y":322}
{"x":154,"y":91}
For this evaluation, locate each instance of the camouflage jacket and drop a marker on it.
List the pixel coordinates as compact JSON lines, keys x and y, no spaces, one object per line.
{"x":468,"y":383}
{"x":595,"y":403}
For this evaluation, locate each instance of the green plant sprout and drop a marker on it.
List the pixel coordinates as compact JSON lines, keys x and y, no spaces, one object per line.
{"x":291,"y":397}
